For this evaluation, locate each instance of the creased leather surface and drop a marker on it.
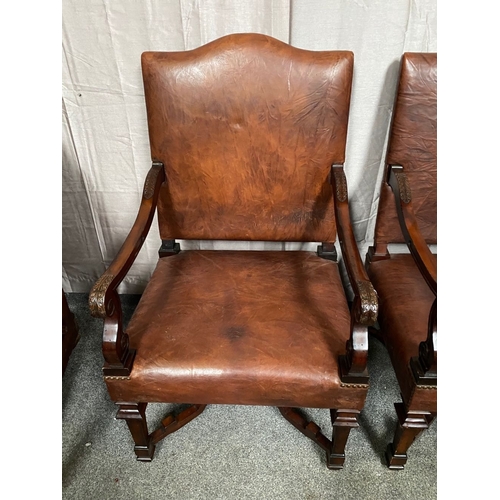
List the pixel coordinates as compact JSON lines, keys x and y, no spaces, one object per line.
{"x":247,"y":128}
{"x":405,"y":301}
{"x":240,"y":327}
{"x":413,"y":144}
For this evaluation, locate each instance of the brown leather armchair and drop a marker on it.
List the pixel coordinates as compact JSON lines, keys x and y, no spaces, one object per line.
{"x":248,"y":139}
{"x":407,"y":283}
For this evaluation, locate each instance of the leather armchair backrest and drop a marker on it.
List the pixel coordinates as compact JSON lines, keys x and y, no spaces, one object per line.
{"x":247,"y":128}
{"x":413,"y":144}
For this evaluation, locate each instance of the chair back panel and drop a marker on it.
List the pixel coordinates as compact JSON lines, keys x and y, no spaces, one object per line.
{"x":247,"y":128}
{"x":413,"y":144}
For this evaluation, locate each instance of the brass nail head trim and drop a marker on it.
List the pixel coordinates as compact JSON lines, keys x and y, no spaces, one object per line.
{"x":356,"y":386}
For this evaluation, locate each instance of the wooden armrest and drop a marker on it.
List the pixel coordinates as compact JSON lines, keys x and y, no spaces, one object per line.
{"x":103,"y":299}
{"x":100,"y":299}
{"x":366,"y":301}
{"x":364,"y":310}
{"x":424,"y":258}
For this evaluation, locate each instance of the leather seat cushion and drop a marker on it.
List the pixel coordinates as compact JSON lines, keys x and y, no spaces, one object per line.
{"x":405,"y":301}
{"x":240,"y":327}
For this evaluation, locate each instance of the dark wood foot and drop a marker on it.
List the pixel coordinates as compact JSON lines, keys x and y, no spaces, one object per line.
{"x":410,"y":425}
{"x":343,"y":421}
{"x":135,"y":416}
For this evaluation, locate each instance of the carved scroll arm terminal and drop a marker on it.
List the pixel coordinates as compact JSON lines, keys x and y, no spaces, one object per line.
{"x":424,"y":258}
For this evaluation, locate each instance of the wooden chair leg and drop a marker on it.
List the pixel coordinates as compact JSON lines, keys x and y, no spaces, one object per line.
{"x":135,"y":416}
{"x":410,"y":425}
{"x":343,"y":421}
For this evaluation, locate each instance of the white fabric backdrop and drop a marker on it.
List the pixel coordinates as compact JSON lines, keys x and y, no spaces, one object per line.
{"x":105,"y":142}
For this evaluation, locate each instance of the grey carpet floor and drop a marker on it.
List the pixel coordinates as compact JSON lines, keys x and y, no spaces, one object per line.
{"x":229,"y":452}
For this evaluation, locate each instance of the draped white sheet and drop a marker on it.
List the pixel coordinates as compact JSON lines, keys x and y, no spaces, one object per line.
{"x":105,"y":142}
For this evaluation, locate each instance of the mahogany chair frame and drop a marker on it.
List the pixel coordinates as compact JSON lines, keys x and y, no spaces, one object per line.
{"x":104,"y":302}
{"x":419,"y":406}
